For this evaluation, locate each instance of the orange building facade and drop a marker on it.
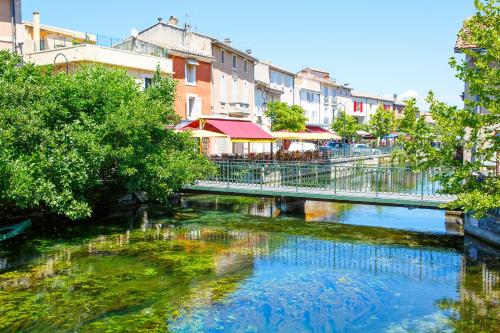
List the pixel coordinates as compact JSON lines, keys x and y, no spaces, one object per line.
{"x":194,"y":88}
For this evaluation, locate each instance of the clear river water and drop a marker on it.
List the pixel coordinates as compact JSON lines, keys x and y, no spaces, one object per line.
{"x":235,"y":264}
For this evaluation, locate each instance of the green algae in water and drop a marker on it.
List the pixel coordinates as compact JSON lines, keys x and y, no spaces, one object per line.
{"x":192,"y":265}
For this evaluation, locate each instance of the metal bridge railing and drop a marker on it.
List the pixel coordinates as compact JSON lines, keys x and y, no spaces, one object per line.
{"x":308,"y":156}
{"x":326,"y":176}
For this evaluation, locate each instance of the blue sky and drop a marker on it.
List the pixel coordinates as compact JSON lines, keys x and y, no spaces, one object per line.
{"x":381,"y":46}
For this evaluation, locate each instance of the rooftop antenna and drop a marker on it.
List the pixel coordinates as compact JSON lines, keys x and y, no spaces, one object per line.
{"x":187,"y":17}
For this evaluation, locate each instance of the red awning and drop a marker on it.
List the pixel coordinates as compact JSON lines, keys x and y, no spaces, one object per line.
{"x":236,"y":130}
{"x":315,"y":129}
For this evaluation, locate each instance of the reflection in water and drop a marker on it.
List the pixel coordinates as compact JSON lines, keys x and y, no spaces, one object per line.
{"x":188,"y":270}
{"x":427,"y":220}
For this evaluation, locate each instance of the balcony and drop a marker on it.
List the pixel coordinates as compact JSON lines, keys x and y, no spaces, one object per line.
{"x":235,"y":109}
{"x":328,"y":100}
{"x":86,"y":53}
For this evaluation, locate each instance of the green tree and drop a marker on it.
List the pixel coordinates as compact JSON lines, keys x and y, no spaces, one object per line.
{"x":345,"y":125}
{"x":286,"y":117}
{"x":382,"y":122}
{"x":66,"y":138}
{"x":472,"y":180}
{"x":407,"y":123}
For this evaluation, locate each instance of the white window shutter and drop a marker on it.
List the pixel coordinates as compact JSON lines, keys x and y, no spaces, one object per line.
{"x":198,"y":106}
{"x":223,"y":88}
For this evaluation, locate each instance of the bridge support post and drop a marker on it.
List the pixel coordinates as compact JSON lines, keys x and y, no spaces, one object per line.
{"x":454,"y":221}
{"x":290,"y":205}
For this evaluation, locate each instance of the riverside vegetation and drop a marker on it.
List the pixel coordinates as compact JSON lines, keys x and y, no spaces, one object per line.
{"x":68,"y":140}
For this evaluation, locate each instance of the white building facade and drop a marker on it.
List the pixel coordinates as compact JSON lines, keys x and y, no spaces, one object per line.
{"x":272,"y":84}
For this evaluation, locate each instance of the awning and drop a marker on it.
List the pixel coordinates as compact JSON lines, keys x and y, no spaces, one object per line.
{"x":198,"y":133}
{"x":305,"y":136}
{"x":363,"y":133}
{"x":315,"y":129}
{"x":236,"y":130}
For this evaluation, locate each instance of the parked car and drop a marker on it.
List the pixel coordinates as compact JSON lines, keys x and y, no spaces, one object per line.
{"x":302,"y":146}
{"x":364,"y":149}
{"x":329,"y":146}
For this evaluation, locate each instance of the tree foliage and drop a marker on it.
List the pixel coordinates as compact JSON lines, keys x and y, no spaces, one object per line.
{"x":473,"y":180}
{"x":345,"y":125}
{"x":64,"y":138}
{"x":383,"y":122}
{"x":286,"y":117}
{"x":407,"y":123}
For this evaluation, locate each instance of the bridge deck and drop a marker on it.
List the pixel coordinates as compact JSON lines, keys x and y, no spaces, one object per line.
{"x":383,"y":198}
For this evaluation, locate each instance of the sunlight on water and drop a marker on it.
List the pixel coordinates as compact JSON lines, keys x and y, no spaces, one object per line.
{"x":228,"y":265}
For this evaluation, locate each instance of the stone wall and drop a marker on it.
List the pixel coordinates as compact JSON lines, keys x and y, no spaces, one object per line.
{"x":486,"y":228}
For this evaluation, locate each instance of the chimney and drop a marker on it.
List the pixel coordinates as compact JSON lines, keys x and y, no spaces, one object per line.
{"x":160,"y":19}
{"x":36,"y":30}
{"x":227,"y":40}
{"x":249,"y":51}
{"x":173,"y":21}
{"x":395,"y":97}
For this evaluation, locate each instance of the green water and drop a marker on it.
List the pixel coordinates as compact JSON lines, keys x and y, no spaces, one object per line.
{"x":222,"y":264}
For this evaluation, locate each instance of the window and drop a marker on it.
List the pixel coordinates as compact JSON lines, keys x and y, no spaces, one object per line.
{"x":310,"y":97}
{"x":288,"y":81}
{"x":235,"y":91}
{"x":191,"y":73}
{"x":244,"y":97}
{"x":223,"y":89}
{"x":281,"y":79}
{"x":274,"y":77}
{"x":245,"y":65}
{"x":147,"y":82}
{"x":223,"y":56}
{"x":234,"y":62}
{"x":387,"y":106}
{"x":325,"y":91}
{"x":358,"y":106}
{"x":193,"y":106}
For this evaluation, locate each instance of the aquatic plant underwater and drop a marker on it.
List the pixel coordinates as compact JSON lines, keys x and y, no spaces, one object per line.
{"x":190,"y":270}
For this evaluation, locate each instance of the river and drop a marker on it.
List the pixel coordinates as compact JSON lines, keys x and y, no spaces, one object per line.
{"x":235,"y":264}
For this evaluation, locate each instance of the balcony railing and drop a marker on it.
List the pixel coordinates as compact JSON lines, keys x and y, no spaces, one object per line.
{"x":328,"y":100}
{"x":84,"y":38}
{"x":236,"y":108}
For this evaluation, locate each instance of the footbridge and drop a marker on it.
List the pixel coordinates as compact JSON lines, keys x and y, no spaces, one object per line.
{"x":383,"y":185}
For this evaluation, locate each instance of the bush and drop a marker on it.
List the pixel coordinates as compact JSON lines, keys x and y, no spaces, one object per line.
{"x":63,"y":138}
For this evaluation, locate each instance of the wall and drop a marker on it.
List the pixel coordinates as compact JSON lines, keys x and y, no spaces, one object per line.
{"x":6,"y":24}
{"x":486,"y":228}
{"x":283,"y":82}
{"x":169,"y":35}
{"x":137,"y":65}
{"x":201,"y":89}
{"x":304,"y":85}
{"x":262,"y":72}
{"x":244,"y":84}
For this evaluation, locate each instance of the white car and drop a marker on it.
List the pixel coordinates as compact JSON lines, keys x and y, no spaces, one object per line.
{"x":362,"y":149}
{"x":302,"y":146}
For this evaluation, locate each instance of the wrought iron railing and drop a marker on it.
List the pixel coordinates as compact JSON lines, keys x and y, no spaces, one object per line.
{"x":321,"y":155}
{"x":326,"y":176}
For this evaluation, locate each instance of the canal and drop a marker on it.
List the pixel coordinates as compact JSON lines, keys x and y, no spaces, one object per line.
{"x":235,"y":264}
